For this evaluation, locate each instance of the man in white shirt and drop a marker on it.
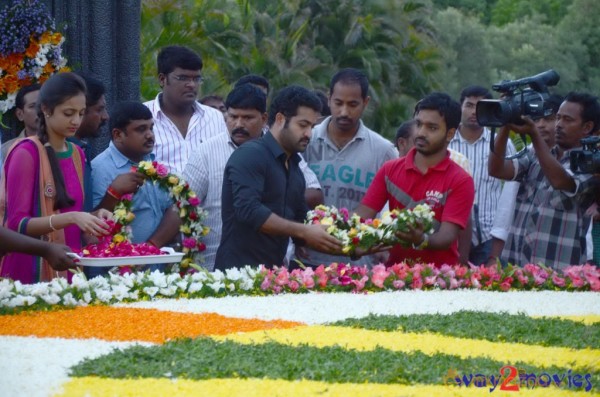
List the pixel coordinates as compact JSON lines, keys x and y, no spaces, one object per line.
{"x":246,"y":115}
{"x":181,"y":123}
{"x":473,"y":141}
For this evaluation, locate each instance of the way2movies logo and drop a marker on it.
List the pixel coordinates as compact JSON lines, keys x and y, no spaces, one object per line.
{"x":512,"y":379}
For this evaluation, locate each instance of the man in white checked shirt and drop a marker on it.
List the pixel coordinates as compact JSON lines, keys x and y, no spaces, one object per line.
{"x":246,"y":115}
{"x":181,"y":123}
{"x":473,"y":141}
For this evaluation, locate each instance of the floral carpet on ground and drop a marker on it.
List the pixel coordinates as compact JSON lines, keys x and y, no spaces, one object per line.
{"x":410,"y":343}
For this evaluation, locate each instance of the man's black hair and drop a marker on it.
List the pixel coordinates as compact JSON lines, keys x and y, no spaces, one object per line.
{"x":253,"y":79}
{"x":404,"y":131}
{"x":444,"y":104}
{"x":476,"y":91}
{"x":20,"y":99}
{"x":125,"y":112}
{"x":351,"y":76}
{"x":289,"y":99}
{"x":175,"y":56}
{"x":247,"y":96}
{"x":325,"y":111}
{"x":590,"y":105}
{"x":95,"y":89}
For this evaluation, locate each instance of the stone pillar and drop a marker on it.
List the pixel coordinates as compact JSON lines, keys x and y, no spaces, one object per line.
{"x":103,"y":40}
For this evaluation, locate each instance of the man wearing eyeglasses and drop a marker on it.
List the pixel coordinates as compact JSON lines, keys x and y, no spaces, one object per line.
{"x":181,"y":123}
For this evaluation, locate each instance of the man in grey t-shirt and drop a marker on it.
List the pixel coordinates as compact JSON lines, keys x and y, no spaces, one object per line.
{"x":345,"y":154}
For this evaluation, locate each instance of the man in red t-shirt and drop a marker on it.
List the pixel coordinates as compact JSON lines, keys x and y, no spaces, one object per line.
{"x":426,"y":175}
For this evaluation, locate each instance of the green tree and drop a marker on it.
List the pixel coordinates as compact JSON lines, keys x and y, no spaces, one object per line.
{"x":580,"y":31}
{"x":550,"y":11}
{"x":466,"y":51}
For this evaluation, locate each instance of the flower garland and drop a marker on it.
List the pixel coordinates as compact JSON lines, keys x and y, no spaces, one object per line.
{"x":30,"y":49}
{"x":354,"y":232}
{"x":261,"y":281}
{"x":188,"y":205}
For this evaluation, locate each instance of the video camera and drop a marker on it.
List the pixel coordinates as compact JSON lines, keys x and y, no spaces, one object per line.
{"x":523,"y":97}
{"x":587,"y":159}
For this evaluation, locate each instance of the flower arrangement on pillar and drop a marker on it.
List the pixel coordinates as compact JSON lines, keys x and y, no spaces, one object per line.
{"x":30,"y":49}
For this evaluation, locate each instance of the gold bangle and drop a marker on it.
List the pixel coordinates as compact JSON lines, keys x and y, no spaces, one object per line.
{"x":50,"y":223}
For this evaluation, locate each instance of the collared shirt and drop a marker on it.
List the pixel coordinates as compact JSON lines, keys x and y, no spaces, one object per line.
{"x":171,"y":147}
{"x":87,"y":173}
{"x":549,"y":225}
{"x":487,"y":188}
{"x":149,"y":203}
{"x":345,"y":174}
{"x":204,"y":172}
{"x":256,"y":184}
{"x":445,"y":187}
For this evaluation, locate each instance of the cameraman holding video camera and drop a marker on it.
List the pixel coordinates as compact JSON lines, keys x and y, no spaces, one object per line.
{"x":550,"y":223}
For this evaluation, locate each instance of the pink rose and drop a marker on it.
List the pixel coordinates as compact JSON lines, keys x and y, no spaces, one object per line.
{"x":398,"y":284}
{"x":557,"y":280}
{"x":194,"y":201}
{"x":189,"y":242}
{"x":360,"y":284}
{"x":417,"y":282}
{"x":162,"y":170}
{"x":266,"y":284}
{"x":379,"y":274}
{"x":283,"y":277}
{"x":294,"y":286}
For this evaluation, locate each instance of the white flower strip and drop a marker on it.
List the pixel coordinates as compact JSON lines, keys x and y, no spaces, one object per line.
{"x":37,"y":367}
{"x":319,"y":308}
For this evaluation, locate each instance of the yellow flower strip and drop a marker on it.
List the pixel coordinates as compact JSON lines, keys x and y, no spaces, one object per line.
{"x":126,"y":324}
{"x":427,"y":343}
{"x":99,"y":387}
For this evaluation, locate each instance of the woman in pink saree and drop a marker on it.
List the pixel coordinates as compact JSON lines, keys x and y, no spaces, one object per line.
{"x":41,"y":194}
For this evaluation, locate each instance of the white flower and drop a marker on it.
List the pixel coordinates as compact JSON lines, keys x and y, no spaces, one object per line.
{"x":387,"y":219}
{"x":150,"y":291}
{"x":200,"y":276}
{"x":218,"y":275}
{"x":247,"y":283}
{"x":99,"y":282}
{"x":217,"y":286}
{"x":182,"y":285}
{"x":87,"y":296}
{"x":158,"y":278}
{"x":233,"y":274}
{"x":169,"y":291}
{"x":80,"y":282}
{"x":19,"y":287}
{"x":69,"y":300}
{"x":231,"y":287}
{"x":195,"y":287}
{"x":120,"y":292}
{"x":38,"y":289}
{"x":51,"y":299}
{"x":103,"y":296}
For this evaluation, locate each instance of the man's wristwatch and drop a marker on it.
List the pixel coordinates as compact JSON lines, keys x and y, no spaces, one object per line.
{"x":423,"y":244}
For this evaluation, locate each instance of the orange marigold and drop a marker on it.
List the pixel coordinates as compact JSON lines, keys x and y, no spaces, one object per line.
{"x":46,"y":37}
{"x":33,"y":48}
{"x":11,"y":83}
{"x":56,"y":38}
